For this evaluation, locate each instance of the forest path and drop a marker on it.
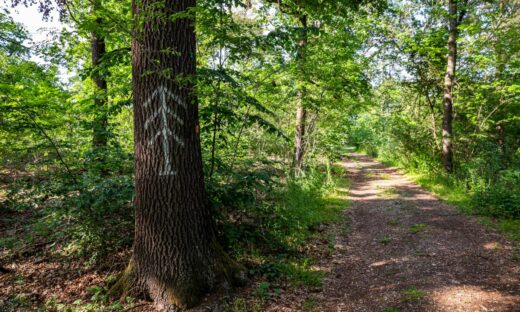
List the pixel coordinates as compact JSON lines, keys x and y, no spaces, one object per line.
{"x":406,"y":250}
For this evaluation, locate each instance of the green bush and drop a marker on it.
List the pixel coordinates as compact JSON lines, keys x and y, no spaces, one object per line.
{"x":90,"y":216}
{"x":499,"y":198}
{"x":102,"y":213}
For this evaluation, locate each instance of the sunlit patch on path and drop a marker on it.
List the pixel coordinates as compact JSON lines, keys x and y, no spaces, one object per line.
{"x":458,"y":298}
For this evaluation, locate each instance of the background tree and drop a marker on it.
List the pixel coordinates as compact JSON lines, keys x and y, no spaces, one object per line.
{"x":456,"y":11}
{"x":100,"y":131}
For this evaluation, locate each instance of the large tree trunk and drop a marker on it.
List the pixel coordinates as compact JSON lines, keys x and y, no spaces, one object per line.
{"x":100,"y":137}
{"x":299,"y":136}
{"x":177,"y":258}
{"x":447,"y":132}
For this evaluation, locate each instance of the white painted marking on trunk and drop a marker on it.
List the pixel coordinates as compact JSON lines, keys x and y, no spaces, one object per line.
{"x":163,"y":111}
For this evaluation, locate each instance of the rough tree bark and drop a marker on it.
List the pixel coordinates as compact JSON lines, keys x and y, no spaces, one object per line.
{"x":299,"y":136}
{"x":447,"y":131}
{"x":99,"y":136}
{"x":177,"y":259}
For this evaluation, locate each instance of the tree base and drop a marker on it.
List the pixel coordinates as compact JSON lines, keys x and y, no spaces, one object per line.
{"x":126,"y":283}
{"x":228,"y":274}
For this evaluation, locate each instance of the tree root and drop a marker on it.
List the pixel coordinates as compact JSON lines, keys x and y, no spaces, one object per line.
{"x":126,"y":283}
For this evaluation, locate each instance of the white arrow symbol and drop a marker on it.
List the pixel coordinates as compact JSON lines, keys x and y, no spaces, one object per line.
{"x":165,"y":131}
{"x":165,"y":92}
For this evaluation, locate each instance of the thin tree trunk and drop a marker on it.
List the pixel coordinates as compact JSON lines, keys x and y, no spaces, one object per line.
{"x":100,"y":137}
{"x":217,"y":99}
{"x":500,"y":66}
{"x":299,"y":136}
{"x":177,"y":258}
{"x":501,"y":138}
{"x":436,"y":147}
{"x":215,"y":130}
{"x":447,"y":131}
{"x":431,"y":104}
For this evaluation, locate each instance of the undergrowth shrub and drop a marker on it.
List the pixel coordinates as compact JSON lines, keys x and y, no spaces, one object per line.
{"x":264,"y":210}
{"x":101,"y":214}
{"x":87,"y":214}
{"x":498,"y":198}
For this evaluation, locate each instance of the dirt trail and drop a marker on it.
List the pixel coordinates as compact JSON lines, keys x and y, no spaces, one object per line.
{"x":410,"y":251}
{"x":406,"y":250}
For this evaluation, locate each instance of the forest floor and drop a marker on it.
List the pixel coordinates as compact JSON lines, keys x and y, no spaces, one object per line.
{"x":407,"y":250}
{"x":398,"y":248}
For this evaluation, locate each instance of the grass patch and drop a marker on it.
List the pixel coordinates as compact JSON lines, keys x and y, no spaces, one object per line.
{"x":323,"y":208}
{"x":393,"y":222}
{"x":310,"y":304}
{"x":417,"y":228}
{"x":412,"y":294}
{"x":241,"y":305}
{"x":510,"y":226}
{"x":301,"y":273}
{"x":386,"y":240}
{"x":388,"y":192}
{"x":287,"y":215}
{"x":294,"y":218}
{"x":385,"y":176}
{"x":329,"y":200}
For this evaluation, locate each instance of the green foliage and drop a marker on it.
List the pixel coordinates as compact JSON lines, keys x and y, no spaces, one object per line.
{"x":267,"y":220}
{"x":309,"y":304}
{"x":241,"y":305}
{"x":412,"y":294}
{"x":497,"y":197}
{"x":302,"y":274}
{"x":386,"y":240}
{"x":262,"y":290}
{"x":417,"y":228}
{"x":275,"y":214}
{"x":98,"y":213}
{"x":103,"y":214}
{"x":297,"y":272}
